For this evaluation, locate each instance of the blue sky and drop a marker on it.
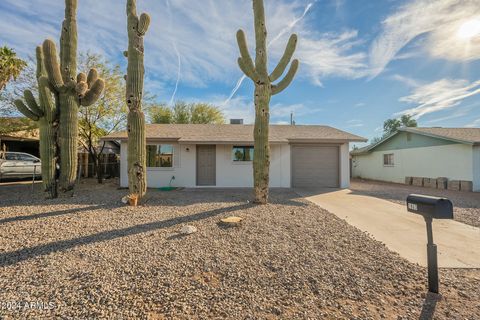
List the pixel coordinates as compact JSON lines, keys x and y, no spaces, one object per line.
{"x":362,"y":61}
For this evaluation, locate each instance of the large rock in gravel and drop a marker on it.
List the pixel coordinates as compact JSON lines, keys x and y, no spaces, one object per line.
{"x":188,"y":230}
{"x":231,"y":221}
{"x":408,"y":181}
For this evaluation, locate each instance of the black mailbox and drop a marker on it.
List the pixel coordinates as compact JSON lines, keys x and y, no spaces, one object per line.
{"x":430,"y":207}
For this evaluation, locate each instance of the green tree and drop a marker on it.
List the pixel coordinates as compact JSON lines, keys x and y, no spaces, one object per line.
{"x":205,"y":113}
{"x":392,"y":125}
{"x":10,"y":66}
{"x":108,"y":114}
{"x":182,"y":113}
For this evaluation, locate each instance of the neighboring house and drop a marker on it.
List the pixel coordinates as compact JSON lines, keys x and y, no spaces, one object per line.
{"x":18,"y":134}
{"x":221,"y":155}
{"x":453,"y":153}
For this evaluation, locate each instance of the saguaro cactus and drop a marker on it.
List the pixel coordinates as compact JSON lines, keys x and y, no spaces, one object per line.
{"x":44,"y":112}
{"x":137,"y":149}
{"x":264,"y":89}
{"x":70,"y":92}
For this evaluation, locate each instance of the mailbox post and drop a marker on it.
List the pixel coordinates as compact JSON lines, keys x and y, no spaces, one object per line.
{"x":430,"y":208}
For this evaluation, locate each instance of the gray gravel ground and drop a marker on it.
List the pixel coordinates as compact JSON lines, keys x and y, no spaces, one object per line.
{"x":466,"y":204}
{"x":93,"y":257}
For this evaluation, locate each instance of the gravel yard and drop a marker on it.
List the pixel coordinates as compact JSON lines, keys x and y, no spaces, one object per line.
{"x":92,"y":257}
{"x":466,"y":204}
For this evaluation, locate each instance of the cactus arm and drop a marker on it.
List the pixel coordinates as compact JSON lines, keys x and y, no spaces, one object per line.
{"x":51,"y":65}
{"x":143,"y":24}
{"x":81,"y":77}
{"x":40,"y":62}
{"x":92,"y":95}
{"x":25,"y":111}
{"x":245,"y":61}
{"x":285,"y":60}
{"x":92,"y":77}
{"x":245,"y":68}
{"x":260,"y":40}
{"x":68,"y":42}
{"x":279,"y":87}
{"x":32,"y":103}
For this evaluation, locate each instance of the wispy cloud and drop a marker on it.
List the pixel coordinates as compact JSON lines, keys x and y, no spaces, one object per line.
{"x":409,"y":82}
{"x":355,"y":123}
{"x":201,"y":36}
{"x":439,"y":95}
{"x":439,"y":20}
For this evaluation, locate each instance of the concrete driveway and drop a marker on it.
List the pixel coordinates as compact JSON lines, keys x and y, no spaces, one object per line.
{"x":458,"y":244}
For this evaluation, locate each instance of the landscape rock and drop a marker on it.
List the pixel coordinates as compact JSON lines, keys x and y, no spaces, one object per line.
{"x":408,"y":180}
{"x":231,"y":221}
{"x":188,"y":229}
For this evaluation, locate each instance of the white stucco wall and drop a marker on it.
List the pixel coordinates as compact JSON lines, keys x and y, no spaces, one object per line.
{"x":229,"y":173}
{"x":344,"y":165}
{"x":476,"y":168}
{"x":454,"y":161}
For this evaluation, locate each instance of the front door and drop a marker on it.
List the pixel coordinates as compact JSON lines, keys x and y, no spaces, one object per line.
{"x":206,"y":169}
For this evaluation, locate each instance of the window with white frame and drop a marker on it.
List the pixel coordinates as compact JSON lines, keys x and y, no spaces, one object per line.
{"x":388,"y":160}
{"x":160,"y":156}
{"x":242,"y":153}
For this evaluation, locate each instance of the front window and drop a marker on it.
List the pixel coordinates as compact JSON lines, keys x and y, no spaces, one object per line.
{"x":160,"y":156}
{"x":242,"y":153}
{"x":388,"y":160}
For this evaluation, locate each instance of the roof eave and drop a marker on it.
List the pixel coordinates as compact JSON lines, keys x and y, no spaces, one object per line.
{"x":432,"y":135}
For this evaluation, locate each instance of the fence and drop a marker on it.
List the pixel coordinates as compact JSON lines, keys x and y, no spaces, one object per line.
{"x":109,"y":166}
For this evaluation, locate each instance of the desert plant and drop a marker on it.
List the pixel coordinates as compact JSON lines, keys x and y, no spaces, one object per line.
{"x":44,"y":113}
{"x":70,"y":92}
{"x":264,"y":89}
{"x":137,"y":149}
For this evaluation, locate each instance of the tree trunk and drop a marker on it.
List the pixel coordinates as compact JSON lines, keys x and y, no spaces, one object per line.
{"x":261,"y":157}
{"x":99,"y":165}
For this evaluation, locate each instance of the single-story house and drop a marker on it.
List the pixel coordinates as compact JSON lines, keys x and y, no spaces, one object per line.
{"x":453,"y":153}
{"x":192,"y":155}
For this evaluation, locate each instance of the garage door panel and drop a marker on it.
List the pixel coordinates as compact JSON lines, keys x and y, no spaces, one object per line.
{"x":315,"y":166}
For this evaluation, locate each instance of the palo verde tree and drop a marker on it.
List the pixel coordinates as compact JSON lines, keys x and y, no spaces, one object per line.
{"x":264,"y":89}
{"x":70,"y":91}
{"x":137,"y":145}
{"x":45,"y":114}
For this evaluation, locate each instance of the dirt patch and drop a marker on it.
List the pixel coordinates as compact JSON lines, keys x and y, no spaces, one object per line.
{"x":93,"y":257}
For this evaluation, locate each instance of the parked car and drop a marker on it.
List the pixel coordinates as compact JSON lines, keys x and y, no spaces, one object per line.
{"x":19,"y":165}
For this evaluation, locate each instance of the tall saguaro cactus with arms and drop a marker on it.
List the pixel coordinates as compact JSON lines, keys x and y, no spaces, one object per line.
{"x":264,"y":89}
{"x":71,"y":91}
{"x":137,"y":150}
{"x":45,"y":113}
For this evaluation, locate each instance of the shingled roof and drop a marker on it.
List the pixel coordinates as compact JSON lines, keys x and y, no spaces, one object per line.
{"x":469,"y":136}
{"x":462,"y":135}
{"x":235,"y":133}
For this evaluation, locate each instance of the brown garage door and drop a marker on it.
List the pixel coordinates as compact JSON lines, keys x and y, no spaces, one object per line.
{"x":315,"y":166}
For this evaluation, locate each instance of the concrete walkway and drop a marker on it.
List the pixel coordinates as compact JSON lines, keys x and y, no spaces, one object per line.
{"x":458,"y":244}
